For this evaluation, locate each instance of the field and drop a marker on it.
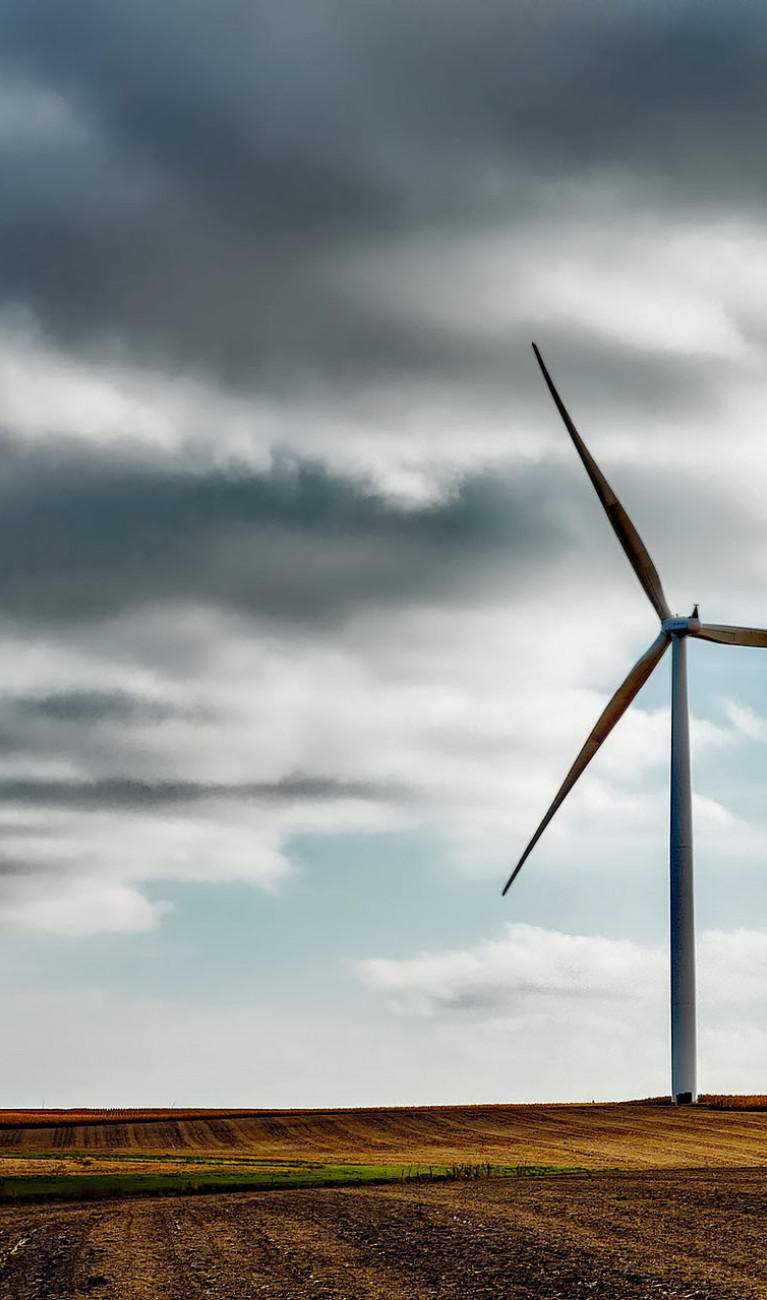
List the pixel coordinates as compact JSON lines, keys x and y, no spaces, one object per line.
{"x":667,"y":1202}
{"x":639,"y":1135}
{"x":608,"y":1237}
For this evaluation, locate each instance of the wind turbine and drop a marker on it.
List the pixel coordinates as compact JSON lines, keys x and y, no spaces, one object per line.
{"x":674,"y":632}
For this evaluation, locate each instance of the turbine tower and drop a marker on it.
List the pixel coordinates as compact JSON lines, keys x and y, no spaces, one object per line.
{"x":674,"y":632}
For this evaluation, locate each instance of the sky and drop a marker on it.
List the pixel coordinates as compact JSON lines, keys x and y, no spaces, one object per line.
{"x":306,"y":602}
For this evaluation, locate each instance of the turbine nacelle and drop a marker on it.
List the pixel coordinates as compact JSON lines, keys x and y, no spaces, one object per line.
{"x":682,"y":626}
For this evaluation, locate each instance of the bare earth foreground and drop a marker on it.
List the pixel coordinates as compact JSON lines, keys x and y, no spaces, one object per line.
{"x":684,"y":1216}
{"x":609,"y":1237}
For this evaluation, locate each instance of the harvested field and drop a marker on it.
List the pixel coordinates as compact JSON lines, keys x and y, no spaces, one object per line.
{"x":607,"y":1236}
{"x":628,"y":1136}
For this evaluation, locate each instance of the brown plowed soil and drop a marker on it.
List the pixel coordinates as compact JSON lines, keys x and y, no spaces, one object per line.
{"x":628,"y":1136}
{"x":687,"y":1234}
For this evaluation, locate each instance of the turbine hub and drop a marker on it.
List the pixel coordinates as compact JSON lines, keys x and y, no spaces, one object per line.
{"x":682,"y":626}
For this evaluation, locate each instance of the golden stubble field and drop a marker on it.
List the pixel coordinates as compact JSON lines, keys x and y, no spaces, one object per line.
{"x":629,"y":1136}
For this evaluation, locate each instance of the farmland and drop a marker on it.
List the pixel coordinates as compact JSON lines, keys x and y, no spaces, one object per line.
{"x":640,"y":1200}
{"x":628,"y":1136}
{"x":606,"y":1236}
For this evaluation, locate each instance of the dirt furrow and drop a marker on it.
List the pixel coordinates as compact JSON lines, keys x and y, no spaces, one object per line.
{"x":453,"y":1250}
{"x":235,"y":1249}
{"x":712,"y":1227}
{"x":51,"y":1258}
{"x":137,"y":1256}
{"x":318,"y":1259}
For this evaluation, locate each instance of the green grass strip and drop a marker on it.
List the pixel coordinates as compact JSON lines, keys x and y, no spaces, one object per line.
{"x":65,"y":1187}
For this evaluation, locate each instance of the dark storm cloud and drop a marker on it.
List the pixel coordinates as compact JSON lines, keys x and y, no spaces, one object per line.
{"x":87,"y":539}
{"x":227,"y":156}
{"x":56,"y":722}
{"x":115,"y":793}
{"x":89,"y":707}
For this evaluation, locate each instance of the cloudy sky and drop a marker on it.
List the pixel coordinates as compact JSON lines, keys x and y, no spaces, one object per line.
{"x":307,"y":603}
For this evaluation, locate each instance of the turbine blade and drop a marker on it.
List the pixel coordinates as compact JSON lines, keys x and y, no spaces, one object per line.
{"x":612,"y":714}
{"x":625,"y":531}
{"x":721,"y":632}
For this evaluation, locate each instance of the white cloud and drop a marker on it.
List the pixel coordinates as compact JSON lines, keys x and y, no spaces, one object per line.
{"x":78,"y":905}
{"x":745,"y":720}
{"x":529,"y":962}
{"x":502,"y":977}
{"x":662,"y":287}
{"x":733,"y":965}
{"x":733,"y":1056}
{"x":47,"y":393}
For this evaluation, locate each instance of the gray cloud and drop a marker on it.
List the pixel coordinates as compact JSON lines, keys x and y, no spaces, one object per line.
{"x":220,"y":160}
{"x":88,"y":707}
{"x":125,"y":793}
{"x":91,"y":725}
{"x":85,"y":539}
{"x":496,"y":997}
{"x":96,"y":730}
